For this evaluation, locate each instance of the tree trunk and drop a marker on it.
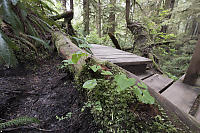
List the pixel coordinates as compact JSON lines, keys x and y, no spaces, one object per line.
{"x":72,"y":5}
{"x":127,"y":12}
{"x":136,"y":28}
{"x":99,"y":18}
{"x":86,"y":18}
{"x":111,"y":20}
{"x":169,"y":4}
{"x":192,"y":76}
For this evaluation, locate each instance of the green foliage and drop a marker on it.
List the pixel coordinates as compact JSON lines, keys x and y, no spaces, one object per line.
{"x":75,"y":58}
{"x":111,"y":108}
{"x":108,"y":73}
{"x":18,"y":122}
{"x":123,"y":82}
{"x":28,"y":23}
{"x":90,"y":84}
{"x":143,"y":95}
{"x":67,"y":116}
{"x":6,"y":53}
{"x":95,"y":68}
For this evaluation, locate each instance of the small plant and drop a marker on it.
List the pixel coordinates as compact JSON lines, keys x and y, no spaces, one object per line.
{"x":75,"y":58}
{"x":95,"y":68}
{"x":67,"y":116}
{"x":90,"y":84}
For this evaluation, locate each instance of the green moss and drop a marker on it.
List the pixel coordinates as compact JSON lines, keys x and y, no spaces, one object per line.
{"x":118,"y":111}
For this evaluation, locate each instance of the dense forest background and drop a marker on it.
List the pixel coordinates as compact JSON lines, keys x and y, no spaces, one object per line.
{"x":88,"y":96}
{"x":163,"y":30}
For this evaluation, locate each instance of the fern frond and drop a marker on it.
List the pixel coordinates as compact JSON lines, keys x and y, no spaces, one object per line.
{"x":18,"y":121}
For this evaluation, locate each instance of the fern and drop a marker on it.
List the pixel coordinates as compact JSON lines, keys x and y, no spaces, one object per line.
{"x":18,"y":121}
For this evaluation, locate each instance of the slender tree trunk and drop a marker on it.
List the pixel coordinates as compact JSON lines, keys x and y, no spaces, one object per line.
{"x":99,"y":18}
{"x":127,"y":11}
{"x":112,"y":22}
{"x":86,"y":18}
{"x":72,"y":5}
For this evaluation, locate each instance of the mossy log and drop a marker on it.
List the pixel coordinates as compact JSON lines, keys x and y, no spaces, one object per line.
{"x":66,"y":48}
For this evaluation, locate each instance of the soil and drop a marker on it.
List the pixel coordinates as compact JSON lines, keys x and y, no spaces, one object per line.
{"x":44,"y":93}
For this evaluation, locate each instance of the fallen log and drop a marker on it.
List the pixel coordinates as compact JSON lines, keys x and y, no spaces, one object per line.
{"x":66,"y":49}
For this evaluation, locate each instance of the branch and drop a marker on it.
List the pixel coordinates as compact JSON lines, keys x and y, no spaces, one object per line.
{"x":67,"y":15}
{"x":114,"y":40}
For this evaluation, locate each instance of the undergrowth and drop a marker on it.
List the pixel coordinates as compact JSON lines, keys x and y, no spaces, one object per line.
{"x":119,"y":111}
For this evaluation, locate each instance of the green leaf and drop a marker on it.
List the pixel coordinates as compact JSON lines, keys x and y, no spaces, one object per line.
{"x":123,"y":82}
{"x":46,"y":45}
{"x":106,"y":73}
{"x":68,"y":62}
{"x":76,"y":57}
{"x":95,"y":68}
{"x":6,"y":54}
{"x":137,"y":91}
{"x":90,"y":84}
{"x":143,"y":95}
{"x":147,"y":98}
{"x":142,"y":85}
{"x":10,"y":17}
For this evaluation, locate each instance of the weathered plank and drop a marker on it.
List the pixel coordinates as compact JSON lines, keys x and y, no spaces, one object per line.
{"x":118,"y":57}
{"x":145,"y":75}
{"x":182,"y":95}
{"x":158,"y":82}
{"x":113,"y":56}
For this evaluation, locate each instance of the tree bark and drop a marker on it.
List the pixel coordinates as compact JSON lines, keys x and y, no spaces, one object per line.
{"x":192,"y":76}
{"x":99,"y":18}
{"x":111,"y":20}
{"x":86,"y":17}
{"x":136,"y":28}
{"x":72,"y":5}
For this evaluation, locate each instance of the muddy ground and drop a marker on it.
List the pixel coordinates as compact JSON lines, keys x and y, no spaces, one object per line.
{"x":44,"y":93}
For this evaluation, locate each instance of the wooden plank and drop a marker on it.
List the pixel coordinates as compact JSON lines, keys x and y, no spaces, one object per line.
{"x":158,"y":82}
{"x":117,"y":56}
{"x":145,"y":75}
{"x":175,"y":112}
{"x":182,"y":95}
{"x":128,"y":61}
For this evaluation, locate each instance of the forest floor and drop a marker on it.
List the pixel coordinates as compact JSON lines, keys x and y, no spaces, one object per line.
{"x":44,"y":93}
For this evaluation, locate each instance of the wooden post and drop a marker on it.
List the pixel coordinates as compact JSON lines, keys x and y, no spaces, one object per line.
{"x":192,"y":76}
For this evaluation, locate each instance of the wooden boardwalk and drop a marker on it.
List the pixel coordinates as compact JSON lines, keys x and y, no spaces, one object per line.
{"x":185,"y":97}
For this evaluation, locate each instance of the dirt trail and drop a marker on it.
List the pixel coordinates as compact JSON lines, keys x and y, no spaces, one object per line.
{"x":45,"y":93}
